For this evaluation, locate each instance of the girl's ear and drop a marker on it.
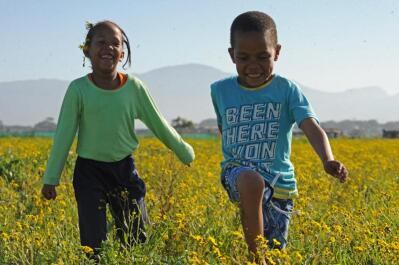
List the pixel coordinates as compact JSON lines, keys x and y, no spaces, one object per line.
{"x":231,"y":52}
{"x":86,"y":51}
{"x":122,"y":56}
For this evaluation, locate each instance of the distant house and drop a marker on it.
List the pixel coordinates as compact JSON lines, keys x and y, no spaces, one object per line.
{"x":18,"y":129}
{"x":43,"y":128}
{"x":390,"y":133}
{"x":47,"y":125}
{"x":208,"y":126}
{"x":333,"y":132}
{"x":296,"y":132}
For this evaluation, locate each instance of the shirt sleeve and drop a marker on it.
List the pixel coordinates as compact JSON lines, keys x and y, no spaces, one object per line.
{"x":149,"y":114}
{"x":215,"y":106}
{"x":299,"y":106}
{"x":67,"y":125}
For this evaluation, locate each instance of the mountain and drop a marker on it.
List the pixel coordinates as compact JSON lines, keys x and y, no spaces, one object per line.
{"x":30,"y":101}
{"x":183,"y":91}
{"x":365,"y":103}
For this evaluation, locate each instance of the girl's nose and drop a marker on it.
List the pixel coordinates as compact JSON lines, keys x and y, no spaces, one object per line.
{"x":108,"y":46}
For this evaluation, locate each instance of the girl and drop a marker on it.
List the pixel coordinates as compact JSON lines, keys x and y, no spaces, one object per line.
{"x":102,"y":107}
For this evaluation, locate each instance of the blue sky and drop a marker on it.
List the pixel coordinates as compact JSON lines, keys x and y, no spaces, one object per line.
{"x":327,"y":45}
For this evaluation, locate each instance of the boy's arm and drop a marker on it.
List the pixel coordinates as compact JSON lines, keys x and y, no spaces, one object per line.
{"x":153,"y":119}
{"x":319,"y":141}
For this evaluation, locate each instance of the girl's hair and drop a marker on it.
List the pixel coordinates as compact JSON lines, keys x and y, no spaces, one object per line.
{"x":92,"y":29}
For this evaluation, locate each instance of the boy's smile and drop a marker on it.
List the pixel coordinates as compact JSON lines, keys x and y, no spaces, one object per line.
{"x":254,"y":55}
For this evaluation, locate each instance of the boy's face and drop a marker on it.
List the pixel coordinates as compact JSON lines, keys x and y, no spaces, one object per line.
{"x":254,"y":54}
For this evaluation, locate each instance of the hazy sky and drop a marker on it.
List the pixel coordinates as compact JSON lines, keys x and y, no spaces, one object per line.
{"x":327,"y":45}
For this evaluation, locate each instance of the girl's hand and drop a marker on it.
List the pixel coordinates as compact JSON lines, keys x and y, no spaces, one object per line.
{"x":336,"y":169}
{"x":49,"y":192}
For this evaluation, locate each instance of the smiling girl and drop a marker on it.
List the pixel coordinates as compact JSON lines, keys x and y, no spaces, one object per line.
{"x":102,"y":107}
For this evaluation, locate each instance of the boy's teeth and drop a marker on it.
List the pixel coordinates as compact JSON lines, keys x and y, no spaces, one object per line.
{"x":254,"y":75}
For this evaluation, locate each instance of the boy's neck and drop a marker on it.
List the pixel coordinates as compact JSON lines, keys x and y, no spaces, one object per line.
{"x":108,"y":81}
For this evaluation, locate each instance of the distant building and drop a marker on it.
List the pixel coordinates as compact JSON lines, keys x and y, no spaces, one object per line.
{"x":296,"y":132}
{"x":208,"y":124}
{"x":17,"y":129}
{"x":48,"y":125}
{"x":333,"y":132}
{"x":390,"y":133}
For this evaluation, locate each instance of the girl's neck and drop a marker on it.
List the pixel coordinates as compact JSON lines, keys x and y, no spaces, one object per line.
{"x":107,"y":81}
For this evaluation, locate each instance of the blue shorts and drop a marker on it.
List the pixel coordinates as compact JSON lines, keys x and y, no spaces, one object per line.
{"x":275,"y":223}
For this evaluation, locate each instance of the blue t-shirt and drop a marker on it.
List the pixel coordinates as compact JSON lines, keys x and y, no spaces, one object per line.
{"x":257,"y":127}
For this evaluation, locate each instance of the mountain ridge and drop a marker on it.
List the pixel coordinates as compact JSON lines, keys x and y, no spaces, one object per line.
{"x":183,"y":90}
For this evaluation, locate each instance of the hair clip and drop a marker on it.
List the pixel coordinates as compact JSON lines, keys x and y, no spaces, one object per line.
{"x":89,"y":25}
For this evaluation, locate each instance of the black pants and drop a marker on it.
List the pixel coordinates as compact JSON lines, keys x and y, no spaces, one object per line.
{"x":118,"y":184}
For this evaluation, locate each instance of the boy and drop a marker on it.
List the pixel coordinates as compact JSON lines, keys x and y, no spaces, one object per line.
{"x":256,"y":111}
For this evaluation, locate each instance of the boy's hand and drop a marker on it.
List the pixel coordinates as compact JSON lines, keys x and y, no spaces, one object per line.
{"x":49,"y":192}
{"x":336,"y":169}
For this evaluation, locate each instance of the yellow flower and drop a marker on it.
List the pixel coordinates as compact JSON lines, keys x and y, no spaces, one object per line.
{"x":87,"y":249}
{"x":212,"y":240}
{"x":198,"y":238}
{"x":5,"y":236}
{"x":238,"y":234}
{"x":359,"y":248}
{"x":298,"y":256}
{"x":276,"y":242}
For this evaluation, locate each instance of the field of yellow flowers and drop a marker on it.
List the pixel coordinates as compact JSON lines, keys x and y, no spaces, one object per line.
{"x":192,"y":221}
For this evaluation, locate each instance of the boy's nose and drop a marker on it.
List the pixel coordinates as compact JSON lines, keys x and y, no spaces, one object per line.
{"x":252,"y":66}
{"x":253,"y":62}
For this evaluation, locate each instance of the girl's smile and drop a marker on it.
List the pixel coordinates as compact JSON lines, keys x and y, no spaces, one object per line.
{"x":106,"y":49}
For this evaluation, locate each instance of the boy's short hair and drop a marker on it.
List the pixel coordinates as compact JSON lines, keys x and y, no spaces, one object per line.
{"x":253,"y":21}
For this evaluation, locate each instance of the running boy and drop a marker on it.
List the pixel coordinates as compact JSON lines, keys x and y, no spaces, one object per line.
{"x":256,"y":111}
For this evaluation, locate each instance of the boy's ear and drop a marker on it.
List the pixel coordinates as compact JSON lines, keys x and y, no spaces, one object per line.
{"x":122,"y":56}
{"x":278,"y":49}
{"x":231,"y":52}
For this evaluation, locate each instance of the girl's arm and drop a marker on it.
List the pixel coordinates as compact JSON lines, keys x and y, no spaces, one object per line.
{"x":319,"y":141}
{"x":153,"y":119}
{"x":67,"y":125}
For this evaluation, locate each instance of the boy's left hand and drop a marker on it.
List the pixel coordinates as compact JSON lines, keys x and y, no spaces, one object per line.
{"x":336,"y":169}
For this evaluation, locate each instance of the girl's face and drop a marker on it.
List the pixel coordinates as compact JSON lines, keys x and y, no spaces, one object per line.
{"x":106,"y":49}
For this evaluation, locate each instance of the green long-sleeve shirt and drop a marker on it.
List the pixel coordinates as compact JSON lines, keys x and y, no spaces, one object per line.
{"x":104,"y":120}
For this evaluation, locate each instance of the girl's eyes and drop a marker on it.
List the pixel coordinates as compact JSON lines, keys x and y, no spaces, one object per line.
{"x":103,"y":42}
